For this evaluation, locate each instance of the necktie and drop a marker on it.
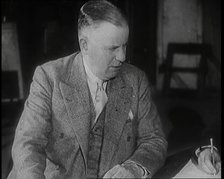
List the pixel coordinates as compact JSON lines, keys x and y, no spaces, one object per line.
{"x":100,"y":99}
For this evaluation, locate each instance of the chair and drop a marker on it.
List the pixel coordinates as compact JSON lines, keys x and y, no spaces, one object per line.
{"x":203,"y":50}
{"x":188,"y":124}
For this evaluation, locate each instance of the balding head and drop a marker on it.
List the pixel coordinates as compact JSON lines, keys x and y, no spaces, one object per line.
{"x":94,"y":12}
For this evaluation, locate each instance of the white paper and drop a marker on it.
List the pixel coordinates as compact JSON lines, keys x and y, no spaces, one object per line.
{"x":190,"y":170}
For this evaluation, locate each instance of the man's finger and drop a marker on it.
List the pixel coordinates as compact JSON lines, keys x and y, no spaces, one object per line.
{"x":218,"y":167}
{"x":209,"y":165}
{"x":202,"y":165}
{"x":112,"y":171}
{"x":123,"y":173}
{"x":119,"y":173}
{"x":206,"y":169}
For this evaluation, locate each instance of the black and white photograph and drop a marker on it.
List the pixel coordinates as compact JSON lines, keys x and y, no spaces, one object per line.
{"x":111,"y":89}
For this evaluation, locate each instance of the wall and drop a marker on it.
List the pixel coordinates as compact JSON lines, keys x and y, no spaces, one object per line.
{"x":142,"y":37}
{"x":11,"y":54}
{"x":212,"y":36}
{"x":178,"y":21}
{"x":194,"y":21}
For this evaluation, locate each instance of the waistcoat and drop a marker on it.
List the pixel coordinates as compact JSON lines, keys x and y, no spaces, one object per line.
{"x":95,"y":146}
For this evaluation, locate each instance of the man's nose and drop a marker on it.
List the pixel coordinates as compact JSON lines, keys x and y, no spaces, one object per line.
{"x":121,"y":54}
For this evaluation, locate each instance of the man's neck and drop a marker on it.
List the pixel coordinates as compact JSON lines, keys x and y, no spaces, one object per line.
{"x":90,"y":73}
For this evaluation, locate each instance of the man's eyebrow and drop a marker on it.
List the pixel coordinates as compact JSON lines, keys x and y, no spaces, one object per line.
{"x":115,"y":46}
{"x":111,"y":46}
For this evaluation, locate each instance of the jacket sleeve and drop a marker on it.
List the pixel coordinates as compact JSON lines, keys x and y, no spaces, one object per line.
{"x":28,"y":150}
{"x":151,"y":142}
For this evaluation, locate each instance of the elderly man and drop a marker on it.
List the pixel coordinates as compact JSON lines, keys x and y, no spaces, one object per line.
{"x":90,"y":114}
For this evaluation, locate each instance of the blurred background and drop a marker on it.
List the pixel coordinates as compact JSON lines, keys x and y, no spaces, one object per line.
{"x":176,"y":42}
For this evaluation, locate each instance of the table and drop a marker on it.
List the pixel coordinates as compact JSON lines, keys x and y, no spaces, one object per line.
{"x":174,"y":164}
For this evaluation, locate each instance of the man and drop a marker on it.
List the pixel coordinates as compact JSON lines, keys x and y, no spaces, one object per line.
{"x":90,"y":114}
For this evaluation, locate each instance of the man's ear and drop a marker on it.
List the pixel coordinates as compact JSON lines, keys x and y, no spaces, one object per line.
{"x":83,"y":43}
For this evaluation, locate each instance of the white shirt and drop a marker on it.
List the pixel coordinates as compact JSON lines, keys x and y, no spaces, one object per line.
{"x":92,"y":81}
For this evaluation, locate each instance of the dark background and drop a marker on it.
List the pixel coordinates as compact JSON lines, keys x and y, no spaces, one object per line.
{"x":47,"y":30}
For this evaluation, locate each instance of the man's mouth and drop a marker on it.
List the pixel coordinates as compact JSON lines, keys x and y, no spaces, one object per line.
{"x":118,"y":66}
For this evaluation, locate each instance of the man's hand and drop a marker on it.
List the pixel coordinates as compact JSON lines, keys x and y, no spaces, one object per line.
{"x":205,"y":162}
{"x":119,"y":171}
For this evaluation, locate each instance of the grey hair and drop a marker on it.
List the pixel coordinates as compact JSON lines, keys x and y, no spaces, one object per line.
{"x":94,"y":12}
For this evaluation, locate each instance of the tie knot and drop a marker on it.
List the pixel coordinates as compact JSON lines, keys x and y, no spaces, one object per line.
{"x":100,"y":85}
{"x":100,"y":91}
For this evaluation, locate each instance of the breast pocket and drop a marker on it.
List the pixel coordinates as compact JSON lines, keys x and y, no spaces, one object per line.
{"x":52,"y":170}
{"x":51,"y":165}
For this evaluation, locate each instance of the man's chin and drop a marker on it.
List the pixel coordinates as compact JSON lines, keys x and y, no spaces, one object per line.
{"x":113,"y":74}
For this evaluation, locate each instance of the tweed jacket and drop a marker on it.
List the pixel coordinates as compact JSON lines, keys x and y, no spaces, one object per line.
{"x":51,"y":139}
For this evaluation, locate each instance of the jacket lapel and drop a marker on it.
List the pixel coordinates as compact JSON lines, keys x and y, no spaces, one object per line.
{"x":76,"y":97}
{"x":117,"y":109}
{"x":80,"y":109}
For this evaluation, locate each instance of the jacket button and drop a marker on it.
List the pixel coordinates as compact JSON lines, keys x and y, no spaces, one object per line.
{"x":98,"y":129}
{"x":57,"y":167}
{"x":68,"y":99}
{"x":61,"y":135}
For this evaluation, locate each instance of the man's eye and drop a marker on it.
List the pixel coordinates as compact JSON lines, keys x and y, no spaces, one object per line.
{"x":113,"y":48}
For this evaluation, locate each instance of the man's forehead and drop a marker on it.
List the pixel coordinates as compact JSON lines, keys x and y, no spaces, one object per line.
{"x":107,"y":30}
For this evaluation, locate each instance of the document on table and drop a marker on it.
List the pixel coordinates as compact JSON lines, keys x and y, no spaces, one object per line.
{"x":190,"y":170}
